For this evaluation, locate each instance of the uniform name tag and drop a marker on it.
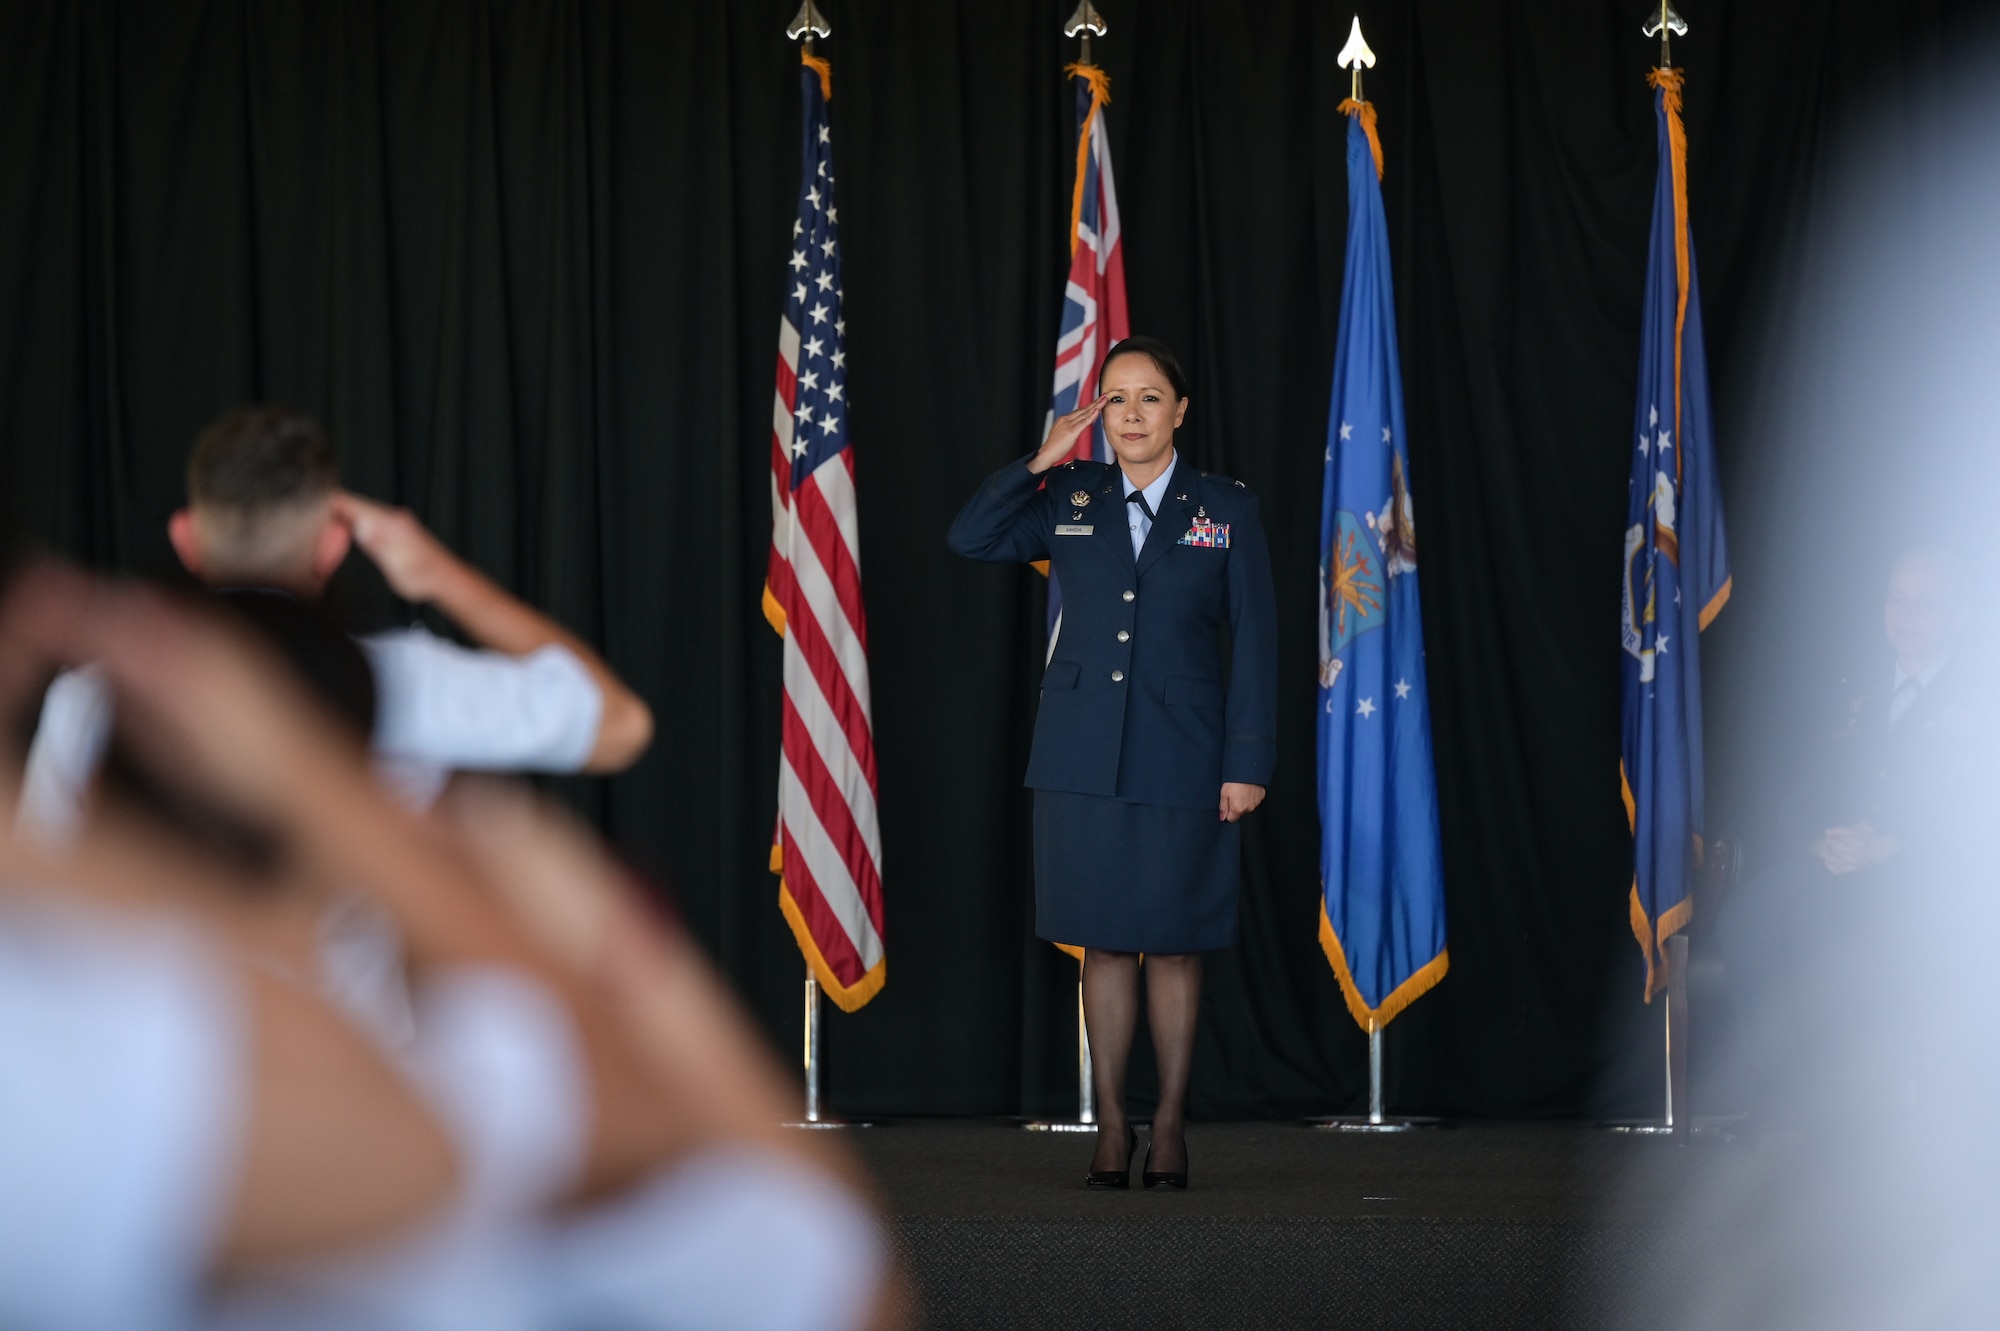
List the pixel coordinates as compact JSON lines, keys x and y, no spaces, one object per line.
{"x":1208,"y":535}
{"x":1075,"y":529}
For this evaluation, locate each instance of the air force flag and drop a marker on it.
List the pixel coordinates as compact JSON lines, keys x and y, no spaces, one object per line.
{"x":1381,"y":863}
{"x":1676,"y":565}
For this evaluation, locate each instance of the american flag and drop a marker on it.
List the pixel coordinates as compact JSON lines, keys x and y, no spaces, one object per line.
{"x":828,"y":847}
{"x":1093,"y":317}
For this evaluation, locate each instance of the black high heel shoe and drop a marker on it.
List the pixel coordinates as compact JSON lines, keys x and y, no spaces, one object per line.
{"x":1115,"y":1178}
{"x":1177,"y":1180}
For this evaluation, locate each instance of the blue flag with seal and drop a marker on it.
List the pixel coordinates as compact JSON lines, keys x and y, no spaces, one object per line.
{"x":1381,"y":860}
{"x":1676,"y":566}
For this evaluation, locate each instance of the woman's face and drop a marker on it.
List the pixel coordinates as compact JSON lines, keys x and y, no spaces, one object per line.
{"x":1143,"y":413}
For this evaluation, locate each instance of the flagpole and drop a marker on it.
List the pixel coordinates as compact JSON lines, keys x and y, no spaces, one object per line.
{"x":807,"y":24}
{"x":1668,"y":24}
{"x":1374,"y":1068}
{"x":1087,"y":1088}
{"x":1677,"y":1117}
{"x":1377,"y":1119}
{"x":813,"y":1116}
{"x":1354,"y":56}
{"x":816,"y":1115}
{"x":1082,"y":22}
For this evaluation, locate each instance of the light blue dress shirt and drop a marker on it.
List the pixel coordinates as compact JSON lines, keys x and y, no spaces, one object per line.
{"x":1141,"y":524}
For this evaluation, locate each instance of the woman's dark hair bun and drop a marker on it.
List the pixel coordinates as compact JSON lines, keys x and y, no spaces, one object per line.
{"x":1154,"y":350}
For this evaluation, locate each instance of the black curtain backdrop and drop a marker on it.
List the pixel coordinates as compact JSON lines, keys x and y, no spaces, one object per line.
{"x":525,"y":260}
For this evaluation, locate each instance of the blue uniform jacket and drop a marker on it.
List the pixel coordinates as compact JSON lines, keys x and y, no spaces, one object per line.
{"x":1164,"y":680}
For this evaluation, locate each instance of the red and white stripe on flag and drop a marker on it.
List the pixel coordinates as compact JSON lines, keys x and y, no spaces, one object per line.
{"x":828,"y":846}
{"x":1094,"y":317}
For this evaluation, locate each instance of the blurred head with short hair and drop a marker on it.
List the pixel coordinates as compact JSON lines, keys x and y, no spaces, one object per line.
{"x":1925,"y":609}
{"x":261,"y":485}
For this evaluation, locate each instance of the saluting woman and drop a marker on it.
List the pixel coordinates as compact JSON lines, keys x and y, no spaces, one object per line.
{"x":1153,"y":737}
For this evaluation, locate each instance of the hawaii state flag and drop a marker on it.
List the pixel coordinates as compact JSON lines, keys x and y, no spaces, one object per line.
{"x":1381,"y":860}
{"x":1676,"y":565}
{"x":828,"y":845}
{"x":1093,"y":317}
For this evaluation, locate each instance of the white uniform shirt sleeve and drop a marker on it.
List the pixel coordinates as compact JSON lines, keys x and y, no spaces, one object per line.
{"x":458,"y":708}
{"x":69,"y":744}
{"x":691,"y":1250}
{"x":121,"y":1100}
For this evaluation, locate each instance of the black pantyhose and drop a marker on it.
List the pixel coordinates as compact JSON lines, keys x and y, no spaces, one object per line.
{"x":1110,"y":1013}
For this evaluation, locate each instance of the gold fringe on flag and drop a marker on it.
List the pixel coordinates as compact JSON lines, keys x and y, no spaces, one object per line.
{"x":846,"y":997}
{"x":1100,"y":95}
{"x":1653,"y":935}
{"x":1372,"y":1019}
{"x":822,"y":67}
{"x":1669,"y":82}
{"x":1366,"y":110}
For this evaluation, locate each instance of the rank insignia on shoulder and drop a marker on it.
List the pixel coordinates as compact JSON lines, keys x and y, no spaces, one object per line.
{"x":1079,"y":499}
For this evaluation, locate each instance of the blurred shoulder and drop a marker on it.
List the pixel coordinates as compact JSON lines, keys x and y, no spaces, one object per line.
{"x":1226,"y":493}
{"x":1084,"y":469}
{"x":1082,"y":475}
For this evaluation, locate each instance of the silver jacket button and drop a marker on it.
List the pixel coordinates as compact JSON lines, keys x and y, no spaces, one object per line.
{"x":1130,"y":595}
{"x":1118,"y":677}
{"x":1124,"y":635}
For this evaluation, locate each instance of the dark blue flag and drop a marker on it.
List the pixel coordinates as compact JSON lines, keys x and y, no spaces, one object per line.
{"x":1381,"y":862}
{"x":1676,"y":570}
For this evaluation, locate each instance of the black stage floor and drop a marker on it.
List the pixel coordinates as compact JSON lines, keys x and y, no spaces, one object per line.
{"x":1477,"y":1225}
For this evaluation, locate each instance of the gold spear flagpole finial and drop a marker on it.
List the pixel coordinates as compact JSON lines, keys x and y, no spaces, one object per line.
{"x":808,"y":23}
{"x":1085,"y":21}
{"x":1663,"y":20}
{"x":1356,"y":54}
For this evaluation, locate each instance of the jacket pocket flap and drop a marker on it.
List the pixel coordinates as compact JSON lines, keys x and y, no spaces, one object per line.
{"x":1062,"y":675}
{"x":1193,"y":691}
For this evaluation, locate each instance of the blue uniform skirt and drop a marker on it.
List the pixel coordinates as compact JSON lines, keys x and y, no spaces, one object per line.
{"x":1134,"y":877}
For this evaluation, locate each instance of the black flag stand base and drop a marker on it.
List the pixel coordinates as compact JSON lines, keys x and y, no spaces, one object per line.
{"x":816,"y":1117}
{"x":1375,"y":1120}
{"x":1086,"y":1089}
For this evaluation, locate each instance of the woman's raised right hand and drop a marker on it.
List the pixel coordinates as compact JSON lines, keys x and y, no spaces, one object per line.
{"x":1064,"y":433}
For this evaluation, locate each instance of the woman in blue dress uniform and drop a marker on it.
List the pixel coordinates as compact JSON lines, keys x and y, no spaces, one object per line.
{"x":1157,"y":728}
